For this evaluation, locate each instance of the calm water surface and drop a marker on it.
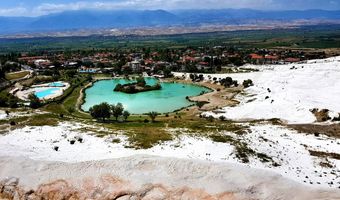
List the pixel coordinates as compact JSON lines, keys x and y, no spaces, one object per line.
{"x":171,"y":97}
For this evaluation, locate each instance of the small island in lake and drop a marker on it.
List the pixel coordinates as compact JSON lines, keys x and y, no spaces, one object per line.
{"x":139,"y":86}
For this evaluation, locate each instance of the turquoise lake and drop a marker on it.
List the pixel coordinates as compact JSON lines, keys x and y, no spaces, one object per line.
{"x":171,"y":97}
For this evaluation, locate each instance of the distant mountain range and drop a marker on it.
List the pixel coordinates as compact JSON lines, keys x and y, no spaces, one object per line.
{"x":90,"y":19}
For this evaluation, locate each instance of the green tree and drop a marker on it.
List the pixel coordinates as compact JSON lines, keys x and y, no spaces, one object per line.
{"x":126,"y":114}
{"x":141,"y":81}
{"x":12,"y":102}
{"x":153,"y":115}
{"x":34,"y":101}
{"x":101,"y":111}
{"x":3,"y":100}
{"x":117,"y":110}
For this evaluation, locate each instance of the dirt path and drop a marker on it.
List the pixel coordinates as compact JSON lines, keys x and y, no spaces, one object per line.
{"x":80,"y":99}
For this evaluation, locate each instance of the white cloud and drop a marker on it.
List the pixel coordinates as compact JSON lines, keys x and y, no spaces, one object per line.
{"x":16,"y":11}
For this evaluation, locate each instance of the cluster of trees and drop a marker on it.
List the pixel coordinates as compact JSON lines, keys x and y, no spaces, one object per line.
{"x":7,"y":100}
{"x":104,"y":111}
{"x":139,"y":86}
{"x":8,"y":67}
{"x":228,"y":82}
{"x":196,"y":78}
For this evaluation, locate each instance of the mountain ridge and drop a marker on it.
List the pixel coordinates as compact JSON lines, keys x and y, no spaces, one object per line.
{"x":94,"y":19}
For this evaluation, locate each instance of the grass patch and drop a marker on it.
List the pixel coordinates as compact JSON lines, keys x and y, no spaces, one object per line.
{"x":147,"y":137}
{"x":16,"y":75}
{"x":116,"y":140}
{"x":222,"y":138}
{"x":42,"y":120}
{"x":242,"y":150}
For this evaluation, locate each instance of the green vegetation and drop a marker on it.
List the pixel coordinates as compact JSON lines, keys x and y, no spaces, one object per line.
{"x":105,"y":111}
{"x":8,"y":100}
{"x":247,"y":83}
{"x":139,"y":86}
{"x":117,"y":110}
{"x":147,"y":137}
{"x":34,"y":101}
{"x":16,"y":75}
{"x":101,"y":111}
{"x":153,"y":115}
{"x":242,"y":150}
{"x":303,"y":37}
{"x":126,"y":115}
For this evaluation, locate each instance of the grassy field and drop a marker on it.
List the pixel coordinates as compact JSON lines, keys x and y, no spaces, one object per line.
{"x":304,"y":37}
{"x":16,"y":75}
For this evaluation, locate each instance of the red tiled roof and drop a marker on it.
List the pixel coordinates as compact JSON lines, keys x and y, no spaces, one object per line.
{"x":203,"y":63}
{"x":255,"y":56}
{"x":292,"y":59}
{"x":271,"y":57}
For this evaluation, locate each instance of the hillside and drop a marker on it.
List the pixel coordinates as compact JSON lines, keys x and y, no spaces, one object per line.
{"x":86,"y":19}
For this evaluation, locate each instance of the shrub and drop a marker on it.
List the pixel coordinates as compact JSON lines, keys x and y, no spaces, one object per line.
{"x":247,"y":83}
{"x":210,"y":118}
{"x":71,"y":110}
{"x":12,"y":123}
{"x":222,"y":117}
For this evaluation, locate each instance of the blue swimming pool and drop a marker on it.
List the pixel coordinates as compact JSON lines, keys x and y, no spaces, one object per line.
{"x":56,"y":84}
{"x":46,"y":92}
{"x":88,"y":71}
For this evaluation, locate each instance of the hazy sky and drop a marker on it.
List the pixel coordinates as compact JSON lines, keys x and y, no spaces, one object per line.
{"x":41,"y":7}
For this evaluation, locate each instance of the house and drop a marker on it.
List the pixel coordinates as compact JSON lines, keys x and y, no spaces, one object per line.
{"x":271,"y":59}
{"x":292,"y":60}
{"x":188,"y":59}
{"x":256,"y":58}
{"x":135,"y":66}
{"x":42,"y":63}
{"x":202,"y":65}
